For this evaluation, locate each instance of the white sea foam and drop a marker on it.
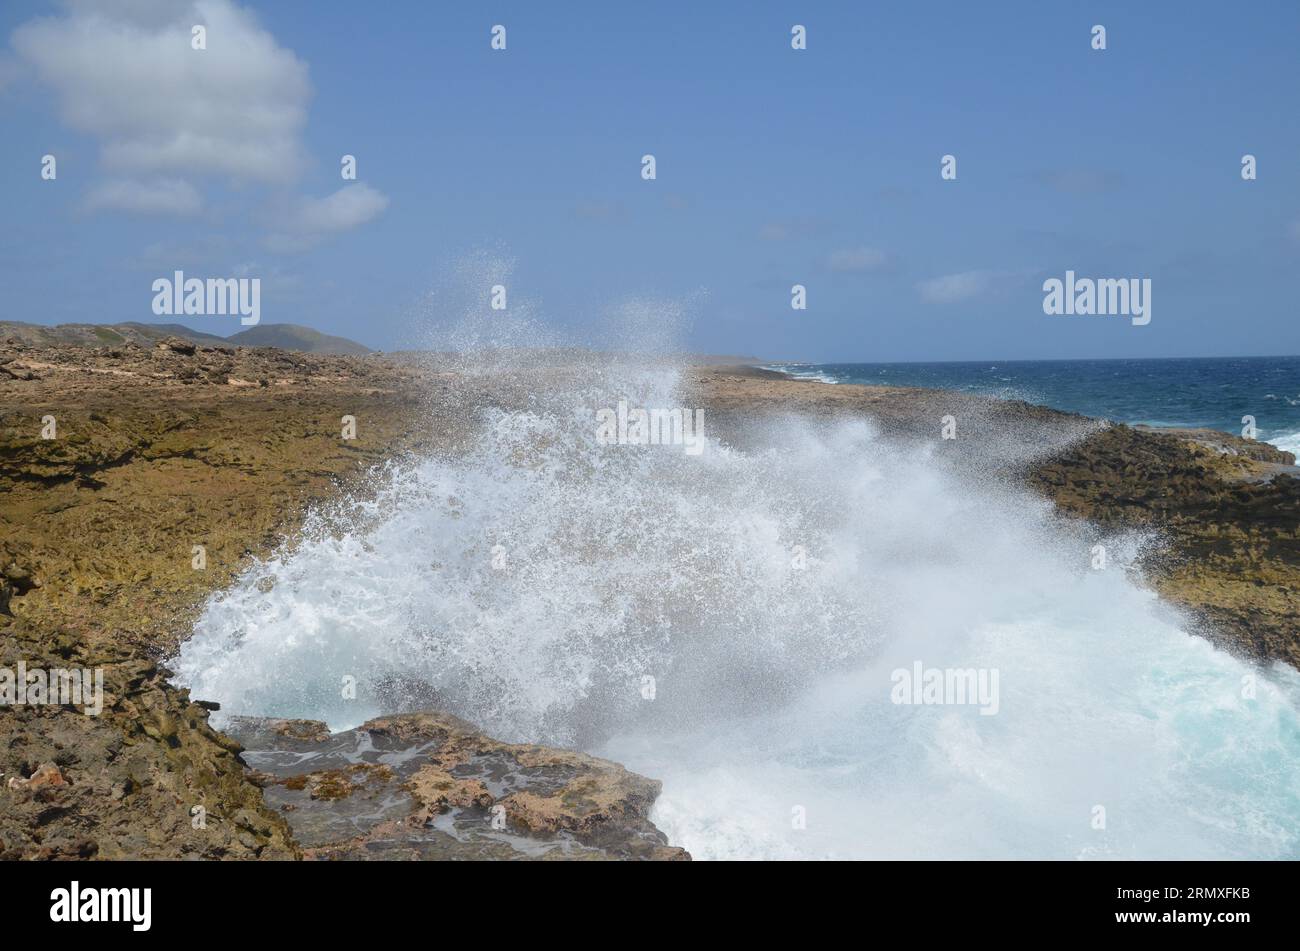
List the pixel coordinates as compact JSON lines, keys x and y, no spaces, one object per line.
{"x":531,"y":583}
{"x":1289,"y":442}
{"x":802,"y":371}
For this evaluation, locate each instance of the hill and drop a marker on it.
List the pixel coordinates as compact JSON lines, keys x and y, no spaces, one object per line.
{"x":285,"y":336}
{"x":296,"y":337}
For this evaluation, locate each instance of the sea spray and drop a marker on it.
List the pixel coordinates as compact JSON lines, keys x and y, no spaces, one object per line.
{"x":533,"y":582}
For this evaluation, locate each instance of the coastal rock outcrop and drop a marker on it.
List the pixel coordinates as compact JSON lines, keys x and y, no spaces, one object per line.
{"x":114,"y":464}
{"x":431,"y":786}
{"x":1228,"y":525}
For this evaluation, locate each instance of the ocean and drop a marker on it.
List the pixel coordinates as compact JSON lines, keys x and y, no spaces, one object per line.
{"x":1213,"y":392}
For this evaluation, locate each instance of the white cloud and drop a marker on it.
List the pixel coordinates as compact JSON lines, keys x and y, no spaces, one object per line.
{"x":958,"y":287}
{"x":135,"y":11}
{"x":127,"y":75}
{"x":793,"y":228}
{"x":1080,"y":181}
{"x":858,"y":259}
{"x":598,"y":210}
{"x":165,"y":197}
{"x":311,"y":220}
{"x":191,"y":252}
{"x":168,"y":117}
{"x":9,"y":71}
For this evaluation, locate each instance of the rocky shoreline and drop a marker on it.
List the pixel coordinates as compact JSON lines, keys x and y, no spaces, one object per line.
{"x":163,"y":449}
{"x":431,"y":786}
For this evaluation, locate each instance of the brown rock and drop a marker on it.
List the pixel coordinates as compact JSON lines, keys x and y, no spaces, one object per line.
{"x":177,"y":345}
{"x":47,"y":774}
{"x":549,"y":803}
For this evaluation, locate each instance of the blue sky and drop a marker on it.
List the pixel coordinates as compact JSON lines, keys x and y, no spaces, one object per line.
{"x":774,"y":167}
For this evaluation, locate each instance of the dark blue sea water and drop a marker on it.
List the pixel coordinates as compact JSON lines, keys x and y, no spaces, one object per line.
{"x":1211,"y":392}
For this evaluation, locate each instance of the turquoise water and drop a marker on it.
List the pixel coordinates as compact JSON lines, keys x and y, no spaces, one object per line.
{"x":1212,"y":392}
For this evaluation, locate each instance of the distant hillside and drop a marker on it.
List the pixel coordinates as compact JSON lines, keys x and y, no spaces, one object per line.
{"x":286,"y":336}
{"x":295,"y":337}
{"x":100,"y":335}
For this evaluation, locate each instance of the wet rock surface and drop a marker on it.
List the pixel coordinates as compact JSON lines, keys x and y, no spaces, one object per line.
{"x":431,"y":786}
